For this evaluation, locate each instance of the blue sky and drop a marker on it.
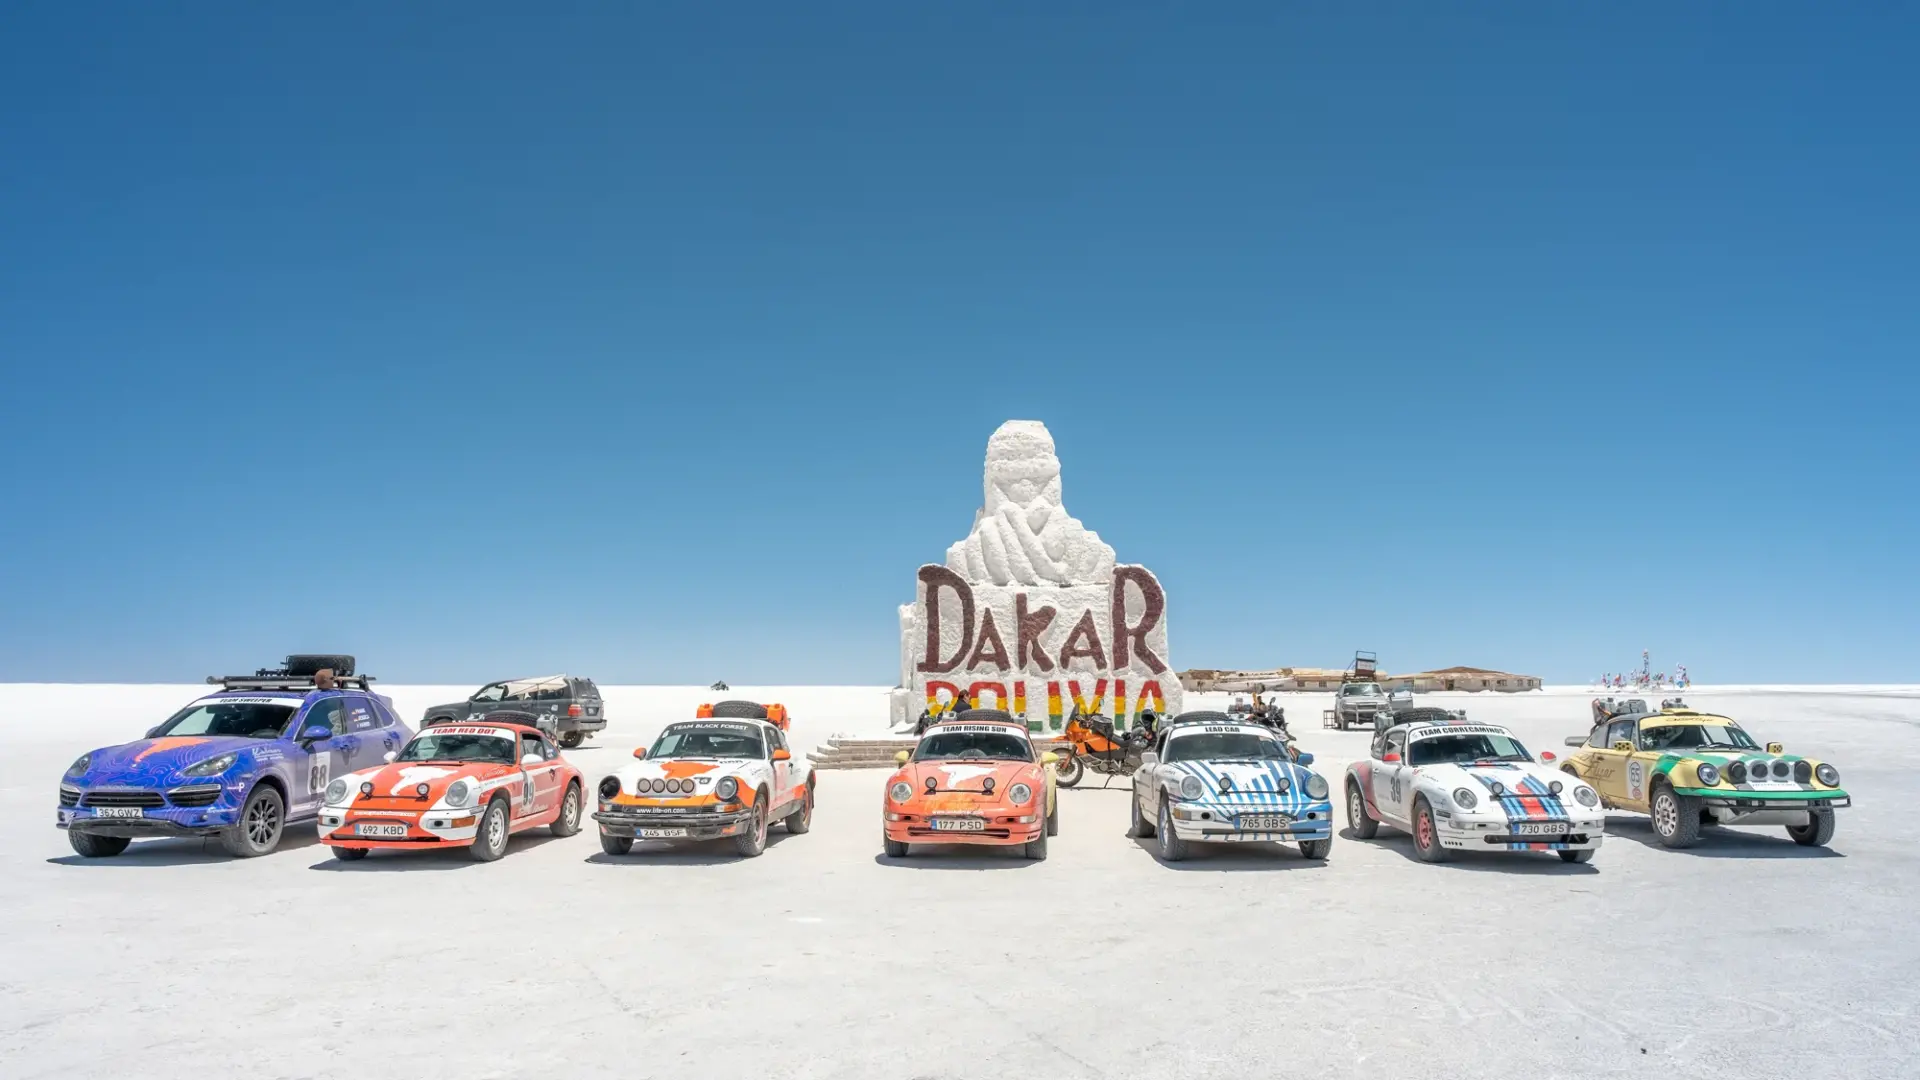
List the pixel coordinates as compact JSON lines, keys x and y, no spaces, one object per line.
{"x":663,"y":345}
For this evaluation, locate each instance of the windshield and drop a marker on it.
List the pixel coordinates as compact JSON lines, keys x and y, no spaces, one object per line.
{"x":441,"y":746}
{"x":1695,"y":737}
{"x":248,"y":720}
{"x":1000,"y":746}
{"x":1365,"y":689}
{"x":709,"y":740}
{"x":1464,"y":749}
{"x":1225,"y":746}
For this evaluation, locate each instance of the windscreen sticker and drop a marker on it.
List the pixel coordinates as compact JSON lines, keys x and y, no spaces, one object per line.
{"x":714,"y":725}
{"x":1223,"y":729}
{"x":982,"y":729}
{"x":1457,"y":729}
{"x":229,"y":699}
{"x":464,"y":729}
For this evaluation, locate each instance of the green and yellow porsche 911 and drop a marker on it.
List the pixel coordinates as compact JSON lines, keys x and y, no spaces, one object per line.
{"x":1687,"y":769}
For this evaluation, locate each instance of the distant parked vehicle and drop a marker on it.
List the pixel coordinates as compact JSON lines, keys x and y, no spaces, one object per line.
{"x":565,"y":706}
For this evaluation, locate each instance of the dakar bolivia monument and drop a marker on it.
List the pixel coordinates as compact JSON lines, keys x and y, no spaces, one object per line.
{"x":1032,"y":610}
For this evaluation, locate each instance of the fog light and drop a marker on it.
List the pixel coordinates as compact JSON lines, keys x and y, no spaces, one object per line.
{"x":462,"y":822}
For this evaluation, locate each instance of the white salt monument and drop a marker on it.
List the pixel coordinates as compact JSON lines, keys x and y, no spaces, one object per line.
{"x":1031,"y":612}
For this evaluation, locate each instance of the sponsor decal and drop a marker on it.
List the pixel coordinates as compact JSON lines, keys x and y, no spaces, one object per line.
{"x":736,"y":726}
{"x":960,"y":774}
{"x":984,"y":729}
{"x":319,"y":768}
{"x":445,"y":729}
{"x":225,"y":699}
{"x":1636,"y":780}
{"x":1457,"y":729}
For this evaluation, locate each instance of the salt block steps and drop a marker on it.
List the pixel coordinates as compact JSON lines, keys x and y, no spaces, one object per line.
{"x":856,"y":752}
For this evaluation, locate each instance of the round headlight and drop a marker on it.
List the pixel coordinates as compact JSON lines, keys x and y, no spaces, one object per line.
{"x":1556,"y":787}
{"x":79,"y":765}
{"x":1781,"y":769}
{"x":1192,"y":788}
{"x":1737,"y":772}
{"x":901,"y":791}
{"x":1018,"y":794}
{"x":422,"y":788}
{"x":609,"y":787}
{"x":1708,"y":773}
{"x":1586,"y":796}
{"x":460,"y":793}
{"x":1317,"y":786}
{"x":337,"y":792}
{"x":1499,"y":789}
{"x":1802,"y":771}
{"x":673,"y":786}
{"x":656,"y":785}
{"x":727,"y":788}
{"x":1827,"y":775}
{"x":1282,"y":784}
{"x":1464,"y":799}
{"x":366,"y":789}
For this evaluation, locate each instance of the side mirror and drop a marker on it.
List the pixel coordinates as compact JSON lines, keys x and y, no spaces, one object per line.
{"x":1622,"y":744}
{"x":901,"y":758}
{"x":1149,"y":758}
{"x":782,"y":755}
{"x":391,"y":756}
{"x":1575,"y":740}
{"x":1776,"y":748}
{"x":639,"y":751}
{"x":314,"y":733}
{"x":1390,"y":757}
{"x":1049,"y":758}
{"x":1305,"y":758}
{"x":1546,"y":755}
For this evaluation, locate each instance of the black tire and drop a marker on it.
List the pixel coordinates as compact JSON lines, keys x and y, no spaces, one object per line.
{"x":1816,"y":832}
{"x":895,"y":849}
{"x":1426,"y":833}
{"x":1069,"y":772}
{"x":616,"y":845}
{"x":94,"y":846}
{"x":306,"y":665}
{"x":490,"y":840}
{"x":801,"y":820}
{"x":1676,"y":818}
{"x":571,"y":740}
{"x":1053,"y":817}
{"x":751,"y":843}
{"x":1172,"y":847}
{"x":1580,"y":856}
{"x":739,"y":710}
{"x":1138,"y":826}
{"x":1036,"y":848}
{"x":349,"y":854}
{"x":1316,"y":849}
{"x":572,"y":809}
{"x":263,"y":821}
{"x":1364,"y":825}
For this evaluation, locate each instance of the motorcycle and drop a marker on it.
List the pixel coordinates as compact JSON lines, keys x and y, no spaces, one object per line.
{"x":1097,"y":747}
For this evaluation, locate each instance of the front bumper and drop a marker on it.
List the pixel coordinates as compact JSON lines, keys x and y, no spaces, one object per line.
{"x":1221,"y":822}
{"x":1480,"y":832}
{"x":1831,"y":799}
{"x":219,"y":811}
{"x":1000,"y":829}
{"x":425,"y":829}
{"x":671,"y":823}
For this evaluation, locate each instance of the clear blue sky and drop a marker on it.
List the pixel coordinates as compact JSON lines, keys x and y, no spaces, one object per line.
{"x":661,"y":343}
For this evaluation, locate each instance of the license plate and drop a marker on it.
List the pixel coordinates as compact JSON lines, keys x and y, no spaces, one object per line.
{"x":959,"y":824}
{"x":1539,"y":828}
{"x":661,"y":834}
{"x":118,"y":811}
{"x":374,"y":828}
{"x":1262,"y":822}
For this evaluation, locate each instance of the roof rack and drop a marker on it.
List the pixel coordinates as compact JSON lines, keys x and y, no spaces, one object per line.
{"x":297,"y":673}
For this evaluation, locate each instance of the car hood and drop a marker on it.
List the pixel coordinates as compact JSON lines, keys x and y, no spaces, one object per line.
{"x":398,"y":782}
{"x":1245,"y":781}
{"x":959,"y":784}
{"x":160,"y":760}
{"x":1516,"y":778}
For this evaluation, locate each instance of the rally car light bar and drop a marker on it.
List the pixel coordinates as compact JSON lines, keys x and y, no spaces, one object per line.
{"x":283,"y":682}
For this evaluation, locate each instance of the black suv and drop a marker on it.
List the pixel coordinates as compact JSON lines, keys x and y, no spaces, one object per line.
{"x":565,"y":705}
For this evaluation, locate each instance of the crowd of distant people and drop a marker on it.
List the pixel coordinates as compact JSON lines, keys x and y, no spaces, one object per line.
{"x":1645,"y":680}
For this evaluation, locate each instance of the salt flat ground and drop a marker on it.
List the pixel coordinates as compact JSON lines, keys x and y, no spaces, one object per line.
{"x":1746,"y":956}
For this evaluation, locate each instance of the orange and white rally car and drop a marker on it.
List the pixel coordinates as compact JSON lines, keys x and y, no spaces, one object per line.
{"x":975,"y":778}
{"x":726,"y":773}
{"x":468,"y":784}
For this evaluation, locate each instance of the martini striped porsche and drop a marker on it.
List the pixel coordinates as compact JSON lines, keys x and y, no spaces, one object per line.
{"x":1210,"y":778}
{"x":1686,"y":769}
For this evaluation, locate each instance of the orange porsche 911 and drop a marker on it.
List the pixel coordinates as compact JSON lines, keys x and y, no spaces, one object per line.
{"x":974,"y":779}
{"x":469,"y":784}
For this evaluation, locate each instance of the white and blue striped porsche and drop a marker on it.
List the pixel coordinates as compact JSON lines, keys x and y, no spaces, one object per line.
{"x":1213,"y":779}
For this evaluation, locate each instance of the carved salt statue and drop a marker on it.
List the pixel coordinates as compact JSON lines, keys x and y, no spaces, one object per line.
{"x":1022,"y":533}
